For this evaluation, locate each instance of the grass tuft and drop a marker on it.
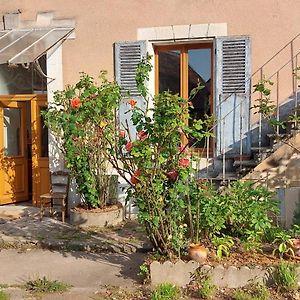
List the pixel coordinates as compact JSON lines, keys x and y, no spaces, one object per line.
{"x":44,"y":285}
{"x":4,"y":296}
{"x":254,"y":292}
{"x":207,"y":290}
{"x":165,"y":291}
{"x":285,"y":277}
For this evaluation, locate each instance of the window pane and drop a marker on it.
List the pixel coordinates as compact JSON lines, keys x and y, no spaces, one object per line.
{"x":12,"y":131}
{"x":44,"y":137}
{"x":169,"y":71}
{"x":15,"y":79}
{"x":200,"y":72}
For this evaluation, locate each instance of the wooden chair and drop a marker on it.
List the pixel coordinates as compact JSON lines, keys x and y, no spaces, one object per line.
{"x":58,"y":195}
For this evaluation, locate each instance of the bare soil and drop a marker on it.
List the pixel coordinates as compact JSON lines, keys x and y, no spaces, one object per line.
{"x":106,"y":208}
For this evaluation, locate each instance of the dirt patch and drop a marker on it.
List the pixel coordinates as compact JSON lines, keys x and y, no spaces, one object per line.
{"x":98,"y":210}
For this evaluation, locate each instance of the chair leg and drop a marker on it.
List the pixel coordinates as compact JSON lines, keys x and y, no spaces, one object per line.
{"x":63,"y":209}
{"x":41,"y":210}
{"x":51,"y":208}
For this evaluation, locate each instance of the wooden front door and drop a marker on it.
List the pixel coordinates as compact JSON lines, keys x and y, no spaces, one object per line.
{"x":13,"y":152}
{"x":40,"y":158}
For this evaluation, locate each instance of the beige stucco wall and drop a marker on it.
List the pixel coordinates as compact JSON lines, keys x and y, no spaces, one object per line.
{"x":99,"y":23}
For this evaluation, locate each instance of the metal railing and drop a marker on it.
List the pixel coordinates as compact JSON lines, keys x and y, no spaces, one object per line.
{"x":283,"y":93}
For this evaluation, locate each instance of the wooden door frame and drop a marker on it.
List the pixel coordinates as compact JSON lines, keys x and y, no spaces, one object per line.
{"x":36,"y":101}
{"x":11,"y":161}
{"x":183,"y":48}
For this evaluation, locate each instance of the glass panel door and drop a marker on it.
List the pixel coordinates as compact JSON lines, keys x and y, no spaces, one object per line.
{"x":12,"y":131}
{"x":13,"y":152}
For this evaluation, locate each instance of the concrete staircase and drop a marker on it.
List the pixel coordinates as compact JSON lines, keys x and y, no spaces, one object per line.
{"x":279,"y":165}
{"x":275,"y":152}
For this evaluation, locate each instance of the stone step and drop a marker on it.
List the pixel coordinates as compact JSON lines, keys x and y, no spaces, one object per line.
{"x":278,"y":136}
{"x":245,"y":163}
{"x":228,"y":176}
{"x":261,"y":149}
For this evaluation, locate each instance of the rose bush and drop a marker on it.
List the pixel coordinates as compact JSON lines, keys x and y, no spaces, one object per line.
{"x":82,"y":117}
{"x":157,"y":164}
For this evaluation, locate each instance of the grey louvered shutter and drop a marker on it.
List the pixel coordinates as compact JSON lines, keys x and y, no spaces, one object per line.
{"x":232,"y":95}
{"x":127,"y":57}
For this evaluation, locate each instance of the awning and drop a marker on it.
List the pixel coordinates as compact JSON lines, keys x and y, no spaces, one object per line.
{"x":19,"y":46}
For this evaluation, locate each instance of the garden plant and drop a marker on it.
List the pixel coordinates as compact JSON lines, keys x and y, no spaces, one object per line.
{"x":155,"y":157}
{"x":82,"y":118}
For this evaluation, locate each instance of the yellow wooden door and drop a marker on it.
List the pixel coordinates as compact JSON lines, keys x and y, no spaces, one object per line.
{"x":13,"y":152}
{"x":40,"y":158}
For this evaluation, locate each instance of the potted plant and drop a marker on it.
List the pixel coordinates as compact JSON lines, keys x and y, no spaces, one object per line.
{"x":82,"y":117}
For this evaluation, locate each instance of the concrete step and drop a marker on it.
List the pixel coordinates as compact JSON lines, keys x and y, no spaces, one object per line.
{"x":261,"y":149}
{"x":245,"y":163}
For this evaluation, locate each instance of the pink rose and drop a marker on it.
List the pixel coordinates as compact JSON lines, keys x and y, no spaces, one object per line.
{"x":75,"y":103}
{"x":134,"y":178}
{"x":184,"y":162}
{"x":132,"y":103}
{"x":128,"y":146}
{"x":172,"y":175}
{"x":122,"y":133}
{"x":142,"y":135}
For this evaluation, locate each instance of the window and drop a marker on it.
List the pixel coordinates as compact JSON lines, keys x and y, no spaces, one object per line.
{"x":223,"y":65}
{"x":179,"y":69}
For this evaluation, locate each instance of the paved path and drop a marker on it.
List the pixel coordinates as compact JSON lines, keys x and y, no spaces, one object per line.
{"x":21,"y":226}
{"x":86,"y":272}
{"x":86,"y":259}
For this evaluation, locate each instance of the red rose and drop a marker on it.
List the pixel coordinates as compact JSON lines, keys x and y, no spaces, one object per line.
{"x":184,"y":162}
{"x":122,"y":133}
{"x":134,"y":178}
{"x":75,"y":103}
{"x":128,"y":146}
{"x":132,"y":103}
{"x":172,"y":175}
{"x":142,"y":135}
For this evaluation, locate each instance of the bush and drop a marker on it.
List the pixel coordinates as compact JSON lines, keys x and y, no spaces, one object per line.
{"x":241,"y":210}
{"x":82,"y":117}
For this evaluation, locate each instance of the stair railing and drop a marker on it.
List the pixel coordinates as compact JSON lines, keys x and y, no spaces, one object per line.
{"x":276,"y":77}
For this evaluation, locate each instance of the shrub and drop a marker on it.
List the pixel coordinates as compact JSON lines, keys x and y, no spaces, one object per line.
{"x":241,"y":210}
{"x":158,"y":166}
{"x":82,"y":118}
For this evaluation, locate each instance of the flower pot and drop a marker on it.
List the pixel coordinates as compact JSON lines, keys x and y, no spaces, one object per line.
{"x":108,"y":216}
{"x":198,"y":253}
